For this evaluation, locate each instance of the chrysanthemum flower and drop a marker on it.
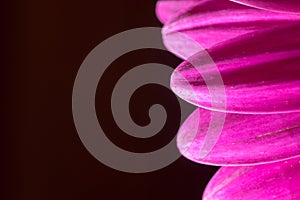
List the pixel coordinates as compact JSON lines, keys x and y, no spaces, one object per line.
{"x":255,"y":44}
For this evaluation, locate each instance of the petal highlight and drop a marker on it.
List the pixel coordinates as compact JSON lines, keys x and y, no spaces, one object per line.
{"x":289,"y":6}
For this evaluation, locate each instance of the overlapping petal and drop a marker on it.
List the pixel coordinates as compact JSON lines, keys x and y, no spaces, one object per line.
{"x":264,"y":182}
{"x":245,"y":139}
{"x":290,"y":6}
{"x":260,"y":71}
{"x":214,"y":21}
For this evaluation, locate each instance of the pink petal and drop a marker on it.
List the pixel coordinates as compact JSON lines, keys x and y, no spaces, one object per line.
{"x":289,"y":6}
{"x":260,"y":71}
{"x":264,"y":182}
{"x":214,"y":21}
{"x":245,"y":139}
{"x":166,"y":10}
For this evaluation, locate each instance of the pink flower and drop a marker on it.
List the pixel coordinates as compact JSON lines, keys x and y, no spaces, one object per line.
{"x":255,"y":45}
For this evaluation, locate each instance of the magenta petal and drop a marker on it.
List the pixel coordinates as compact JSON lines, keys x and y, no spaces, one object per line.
{"x":261,"y":73}
{"x":166,"y":10}
{"x":245,"y":139}
{"x":264,"y":182}
{"x":211,"y":22}
{"x":289,"y":6}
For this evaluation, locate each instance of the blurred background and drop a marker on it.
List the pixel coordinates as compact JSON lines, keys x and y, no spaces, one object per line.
{"x":44,"y":44}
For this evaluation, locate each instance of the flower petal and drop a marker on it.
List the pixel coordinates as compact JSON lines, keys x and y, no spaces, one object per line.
{"x":244,"y":140}
{"x":260,"y":71}
{"x":289,"y":6}
{"x":214,"y":21}
{"x":166,"y":10}
{"x":271,"y":181}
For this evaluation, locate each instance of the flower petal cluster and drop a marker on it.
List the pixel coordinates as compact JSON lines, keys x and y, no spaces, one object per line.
{"x":255,"y":45}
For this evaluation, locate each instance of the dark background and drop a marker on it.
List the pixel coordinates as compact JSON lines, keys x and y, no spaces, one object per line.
{"x":43,"y":158}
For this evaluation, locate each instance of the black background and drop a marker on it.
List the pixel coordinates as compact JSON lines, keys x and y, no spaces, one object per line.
{"x":43,"y":158}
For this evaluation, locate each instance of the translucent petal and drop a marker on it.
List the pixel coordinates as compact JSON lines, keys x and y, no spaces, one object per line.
{"x":245,"y":139}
